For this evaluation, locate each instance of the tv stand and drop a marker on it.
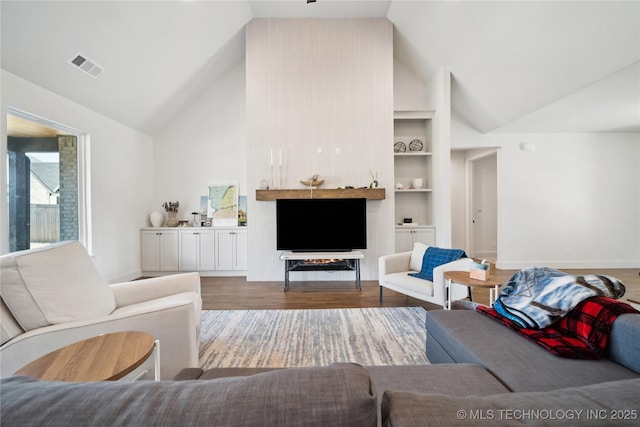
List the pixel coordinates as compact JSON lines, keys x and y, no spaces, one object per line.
{"x":321,"y":261}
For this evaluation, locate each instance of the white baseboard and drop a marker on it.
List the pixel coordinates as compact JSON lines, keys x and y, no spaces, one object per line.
{"x":587,"y":265}
{"x":484,"y":254}
{"x":216,"y":273}
{"x":224,"y":273}
{"x":489,"y":256}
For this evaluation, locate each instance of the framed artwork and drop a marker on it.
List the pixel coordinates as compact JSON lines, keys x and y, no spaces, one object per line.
{"x":222,"y":203}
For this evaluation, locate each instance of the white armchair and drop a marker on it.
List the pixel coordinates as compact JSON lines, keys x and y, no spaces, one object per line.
{"x":54,"y":296}
{"x":394,"y":270}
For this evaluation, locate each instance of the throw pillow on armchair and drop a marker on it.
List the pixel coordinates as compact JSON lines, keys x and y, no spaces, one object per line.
{"x":434,"y":257}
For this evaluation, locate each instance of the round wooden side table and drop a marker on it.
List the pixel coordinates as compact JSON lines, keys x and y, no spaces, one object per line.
{"x":462,"y":278}
{"x":103,"y":358}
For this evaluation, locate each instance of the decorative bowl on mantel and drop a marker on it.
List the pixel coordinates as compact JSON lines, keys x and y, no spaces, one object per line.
{"x":313,"y":184}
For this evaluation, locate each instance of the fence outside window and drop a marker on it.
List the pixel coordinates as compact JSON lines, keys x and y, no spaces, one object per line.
{"x":45,"y":223}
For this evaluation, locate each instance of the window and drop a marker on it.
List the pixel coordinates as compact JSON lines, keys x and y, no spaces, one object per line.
{"x":47,"y":182}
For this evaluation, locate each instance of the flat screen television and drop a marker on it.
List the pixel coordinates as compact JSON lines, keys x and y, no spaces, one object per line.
{"x":321,"y":225}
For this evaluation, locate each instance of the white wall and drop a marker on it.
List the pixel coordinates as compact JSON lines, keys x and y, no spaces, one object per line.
{"x":204,"y":143}
{"x":120,"y":168}
{"x":207,"y":142}
{"x":319,"y":84}
{"x":458,"y":202}
{"x":409,"y":92}
{"x":574,"y":202}
{"x":439,"y":92}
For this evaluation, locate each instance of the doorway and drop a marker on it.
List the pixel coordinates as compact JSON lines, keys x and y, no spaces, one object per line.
{"x":483,"y":205}
{"x":474,"y":202}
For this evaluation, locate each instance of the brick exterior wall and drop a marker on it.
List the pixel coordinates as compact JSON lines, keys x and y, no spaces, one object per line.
{"x":68,"y":149}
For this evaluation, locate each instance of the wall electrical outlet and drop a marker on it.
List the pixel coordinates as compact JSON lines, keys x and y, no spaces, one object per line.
{"x":338,"y":152}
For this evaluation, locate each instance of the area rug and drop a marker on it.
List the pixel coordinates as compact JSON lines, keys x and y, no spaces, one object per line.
{"x":288,"y":338}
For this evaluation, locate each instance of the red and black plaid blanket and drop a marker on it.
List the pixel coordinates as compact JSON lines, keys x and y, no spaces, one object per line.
{"x":581,"y":334}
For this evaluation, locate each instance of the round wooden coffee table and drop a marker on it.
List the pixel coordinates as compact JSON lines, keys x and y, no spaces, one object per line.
{"x":103,"y":358}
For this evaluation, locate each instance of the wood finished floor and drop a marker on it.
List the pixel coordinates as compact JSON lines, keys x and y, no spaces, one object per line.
{"x":236,"y":293}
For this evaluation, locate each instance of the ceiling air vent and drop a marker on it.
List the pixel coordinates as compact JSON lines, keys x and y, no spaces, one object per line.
{"x":86,"y":65}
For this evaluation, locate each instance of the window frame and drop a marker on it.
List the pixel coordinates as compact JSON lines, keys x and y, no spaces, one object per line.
{"x":84,"y":172}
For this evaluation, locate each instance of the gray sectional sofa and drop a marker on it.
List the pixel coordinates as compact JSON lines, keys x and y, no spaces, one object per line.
{"x":482,"y":374}
{"x":466,"y":336}
{"x":337,"y":395}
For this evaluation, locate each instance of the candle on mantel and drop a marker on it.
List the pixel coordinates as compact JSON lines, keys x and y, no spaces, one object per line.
{"x":271,"y":155}
{"x":280,"y":157}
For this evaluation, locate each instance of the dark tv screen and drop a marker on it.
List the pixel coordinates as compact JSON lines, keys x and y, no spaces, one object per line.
{"x":321,"y":225}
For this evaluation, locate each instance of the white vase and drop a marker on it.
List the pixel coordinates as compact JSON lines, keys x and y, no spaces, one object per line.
{"x":156,"y":218}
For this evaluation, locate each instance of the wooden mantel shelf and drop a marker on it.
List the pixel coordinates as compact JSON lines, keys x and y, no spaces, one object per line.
{"x":337,"y":193}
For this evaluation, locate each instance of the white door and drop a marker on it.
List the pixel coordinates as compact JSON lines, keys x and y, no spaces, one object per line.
{"x":242,"y":249}
{"x":169,"y":251}
{"x":150,"y":257}
{"x":188,"y":250}
{"x":207,"y":249}
{"x":484,"y":207}
{"x":404,"y":240}
{"x":424,"y":235}
{"x":224,"y":250}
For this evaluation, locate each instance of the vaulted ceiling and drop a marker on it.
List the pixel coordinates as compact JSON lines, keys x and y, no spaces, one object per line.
{"x":541,"y":66}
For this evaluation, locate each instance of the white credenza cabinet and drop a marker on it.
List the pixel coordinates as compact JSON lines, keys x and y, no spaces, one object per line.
{"x":197,"y":249}
{"x":407,"y":236}
{"x":211,"y":251}
{"x":159,"y":249}
{"x":231,"y":249}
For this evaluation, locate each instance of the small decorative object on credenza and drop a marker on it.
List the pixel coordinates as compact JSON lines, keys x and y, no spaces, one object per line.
{"x":242,"y":218}
{"x":172,"y":211}
{"x":156,"y":218}
{"x":480,"y":271}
